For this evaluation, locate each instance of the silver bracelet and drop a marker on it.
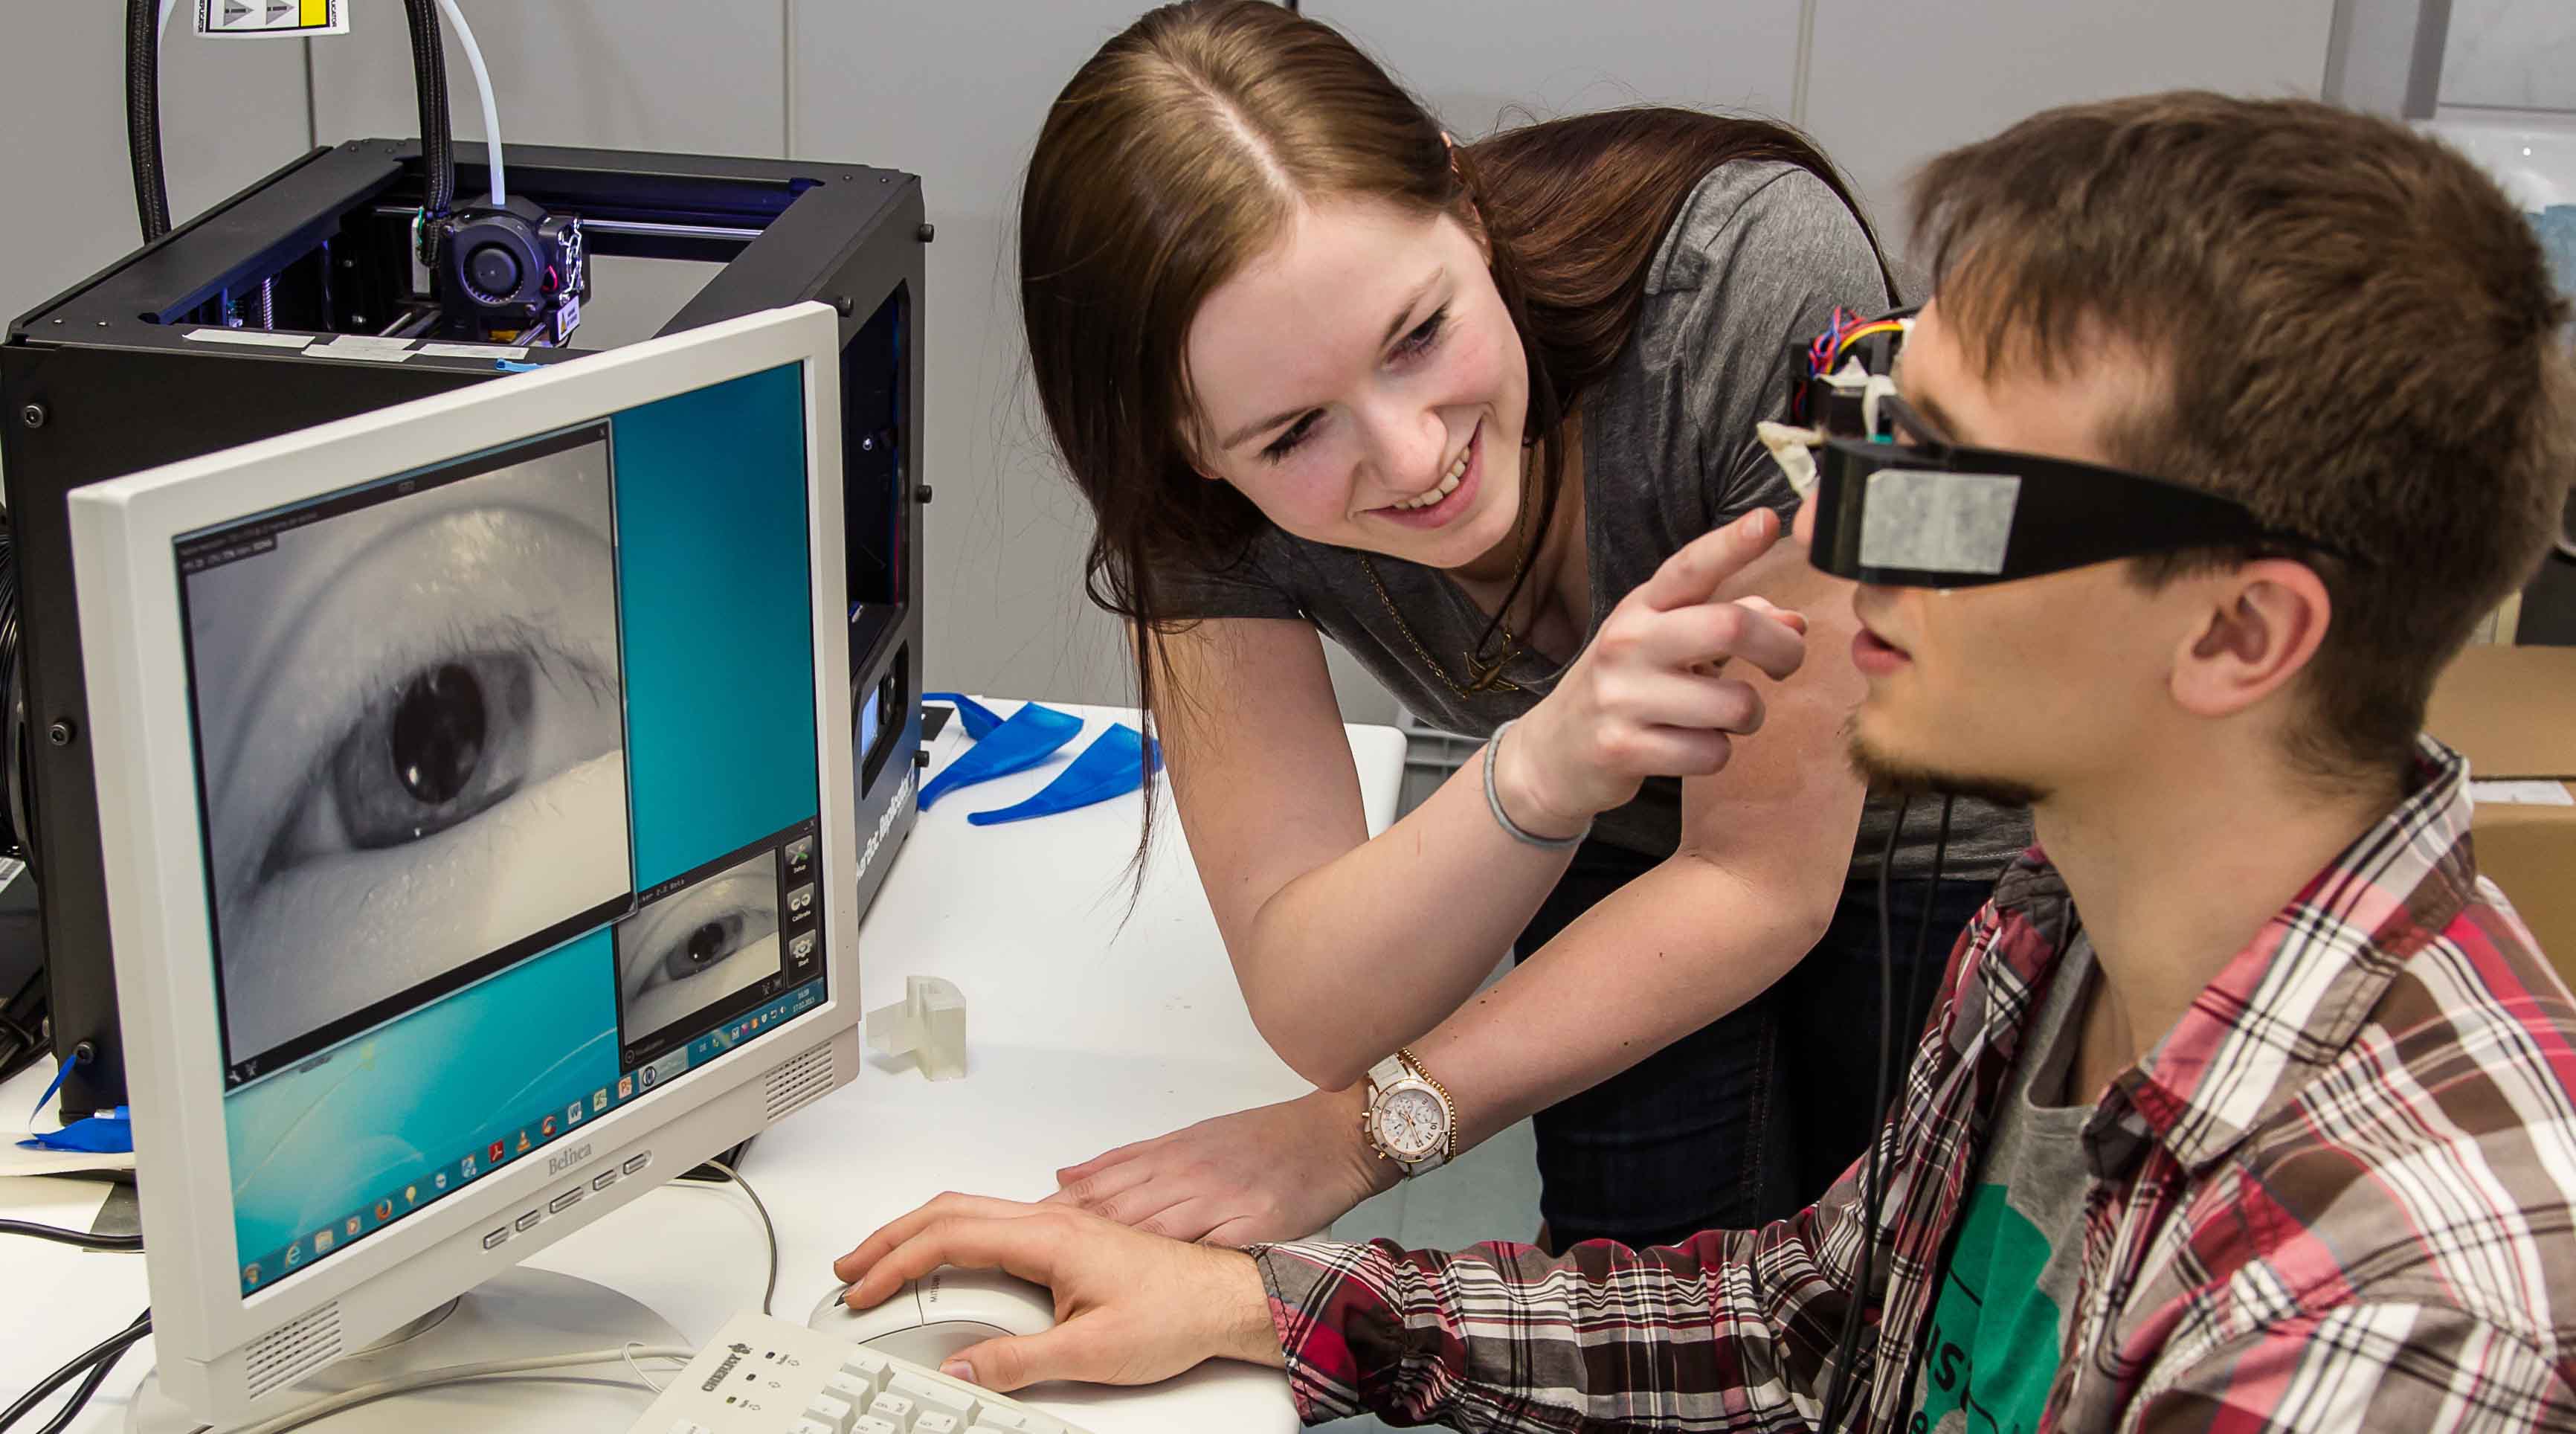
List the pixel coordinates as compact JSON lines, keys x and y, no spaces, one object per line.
{"x":1494,"y":802}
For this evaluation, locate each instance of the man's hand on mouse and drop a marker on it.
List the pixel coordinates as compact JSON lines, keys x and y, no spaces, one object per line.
{"x":1130,"y":1308}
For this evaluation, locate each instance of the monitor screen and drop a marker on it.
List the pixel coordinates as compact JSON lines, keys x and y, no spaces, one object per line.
{"x":509,"y":792}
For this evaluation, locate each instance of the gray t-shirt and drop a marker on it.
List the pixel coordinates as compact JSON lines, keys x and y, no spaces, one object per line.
{"x":2008,"y":1288}
{"x":1758,"y":258}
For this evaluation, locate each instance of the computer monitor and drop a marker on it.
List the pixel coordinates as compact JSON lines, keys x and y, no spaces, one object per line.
{"x":477,"y":800}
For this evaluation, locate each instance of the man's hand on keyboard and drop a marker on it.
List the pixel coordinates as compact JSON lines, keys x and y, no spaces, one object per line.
{"x":1131,"y":1308}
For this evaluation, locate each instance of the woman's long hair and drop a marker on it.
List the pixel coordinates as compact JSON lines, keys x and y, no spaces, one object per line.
{"x":1176,"y":156}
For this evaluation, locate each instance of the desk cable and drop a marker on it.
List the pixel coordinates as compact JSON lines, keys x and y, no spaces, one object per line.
{"x":126,"y":1244}
{"x":93,"y":1363}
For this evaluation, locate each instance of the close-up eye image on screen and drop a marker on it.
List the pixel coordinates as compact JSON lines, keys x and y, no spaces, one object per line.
{"x":698,"y":945}
{"x":409,"y":706}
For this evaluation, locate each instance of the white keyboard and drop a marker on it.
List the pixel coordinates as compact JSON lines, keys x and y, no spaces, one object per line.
{"x":762,"y":1375}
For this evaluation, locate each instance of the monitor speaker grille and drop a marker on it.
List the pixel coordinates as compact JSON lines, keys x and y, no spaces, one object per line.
{"x":288,"y":1353}
{"x":803,"y":1078}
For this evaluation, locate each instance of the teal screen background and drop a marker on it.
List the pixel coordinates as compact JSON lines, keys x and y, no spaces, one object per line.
{"x":718,"y":632}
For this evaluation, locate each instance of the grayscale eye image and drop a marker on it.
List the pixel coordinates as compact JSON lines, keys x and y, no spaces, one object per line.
{"x":693,"y":948}
{"x":410,"y":719}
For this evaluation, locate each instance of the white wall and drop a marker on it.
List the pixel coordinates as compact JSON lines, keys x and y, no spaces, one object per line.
{"x":230,"y":112}
{"x":2511,"y":54}
{"x":1889,"y":86}
{"x":953,"y":91}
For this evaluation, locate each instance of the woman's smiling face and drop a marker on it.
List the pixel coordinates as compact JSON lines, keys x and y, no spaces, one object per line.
{"x":1363,"y":385}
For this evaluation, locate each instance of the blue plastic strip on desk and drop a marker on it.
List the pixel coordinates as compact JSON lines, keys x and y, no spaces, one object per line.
{"x":98,"y":1135}
{"x":1030,"y":736}
{"x":979,"y":718}
{"x":1113,"y":766}
{"x":109,"y":1134}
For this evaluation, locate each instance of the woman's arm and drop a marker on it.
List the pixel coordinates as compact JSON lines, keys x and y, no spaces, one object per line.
{"x":1261,"y":773}
{"x":1766,"y":848}
{"x":1765,"y":852}
{"x":1347,"y":947}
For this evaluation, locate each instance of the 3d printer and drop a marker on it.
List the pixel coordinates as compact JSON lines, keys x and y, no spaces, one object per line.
{"x":351,"y":279}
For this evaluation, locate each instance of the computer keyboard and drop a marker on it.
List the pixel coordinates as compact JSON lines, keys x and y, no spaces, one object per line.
{"x":762,"y":1375}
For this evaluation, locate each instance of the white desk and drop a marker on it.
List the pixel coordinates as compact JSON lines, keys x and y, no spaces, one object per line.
{"x":1087,"y":1027}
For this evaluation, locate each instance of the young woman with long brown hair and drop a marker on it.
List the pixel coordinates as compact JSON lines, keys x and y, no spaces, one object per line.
{"x":1483,"y":414}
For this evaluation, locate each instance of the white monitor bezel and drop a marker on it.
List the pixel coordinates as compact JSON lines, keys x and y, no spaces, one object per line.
{"x":158,"y":908}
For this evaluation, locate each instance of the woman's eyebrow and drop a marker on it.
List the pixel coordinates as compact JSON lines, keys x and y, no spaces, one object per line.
{"x":1403,"y":319}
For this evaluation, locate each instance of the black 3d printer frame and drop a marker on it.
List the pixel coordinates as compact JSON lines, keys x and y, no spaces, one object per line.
{"x":101,"y":381}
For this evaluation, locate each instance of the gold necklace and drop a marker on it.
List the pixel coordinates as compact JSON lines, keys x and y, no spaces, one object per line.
{"x":1484,"y":675}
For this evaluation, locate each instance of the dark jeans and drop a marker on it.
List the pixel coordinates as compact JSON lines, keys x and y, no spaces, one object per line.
{"x":1751,"y":1117}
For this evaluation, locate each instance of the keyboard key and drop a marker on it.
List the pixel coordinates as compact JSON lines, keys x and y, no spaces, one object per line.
{"x":894,"y":1409}
{"x":1015,"y":1421}
{"x":836,"y":1413}
{"x":938,"y":1421}
{"x":933,"y":1394}
{"x":867,"y":1365}
{"x":858,"y":1391}
{"x":870,"y":1424}
{"x":812,"y":1426}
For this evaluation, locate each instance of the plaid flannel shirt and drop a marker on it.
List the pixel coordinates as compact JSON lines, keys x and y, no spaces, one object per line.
{"x":2337,"y":1194}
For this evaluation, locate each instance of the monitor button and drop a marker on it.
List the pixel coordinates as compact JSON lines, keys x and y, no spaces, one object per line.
{"x":493,"y":1240}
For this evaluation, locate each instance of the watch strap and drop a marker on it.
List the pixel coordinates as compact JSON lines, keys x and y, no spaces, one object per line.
{"x":1448,"y":1150}
{"x":1386,"y":1073}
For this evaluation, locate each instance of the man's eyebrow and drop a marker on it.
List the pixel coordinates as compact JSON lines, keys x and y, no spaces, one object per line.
{"x":1412,"y":301}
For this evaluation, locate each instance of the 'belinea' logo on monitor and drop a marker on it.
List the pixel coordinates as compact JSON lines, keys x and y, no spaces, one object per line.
{"x":570,"y":1158}
{"x":725,"y":1368}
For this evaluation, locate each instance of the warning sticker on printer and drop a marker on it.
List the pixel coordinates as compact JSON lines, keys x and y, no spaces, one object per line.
{"x":271,"y":19}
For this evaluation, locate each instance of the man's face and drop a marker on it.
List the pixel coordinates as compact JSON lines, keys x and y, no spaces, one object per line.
{"x":2016,"y":689}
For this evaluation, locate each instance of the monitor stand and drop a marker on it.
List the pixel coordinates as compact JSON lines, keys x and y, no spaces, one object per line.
{"x":514,"y":1315}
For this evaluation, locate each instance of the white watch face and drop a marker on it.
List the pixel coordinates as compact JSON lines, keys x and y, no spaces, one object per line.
{"x":1411,"y":1124}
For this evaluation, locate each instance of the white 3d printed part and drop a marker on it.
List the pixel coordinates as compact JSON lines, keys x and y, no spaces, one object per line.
{"x":929,"y":1024}
{"x":1791,"y":447}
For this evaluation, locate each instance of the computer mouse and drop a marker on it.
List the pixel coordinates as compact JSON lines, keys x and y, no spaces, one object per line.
{"x":943,"y":1312}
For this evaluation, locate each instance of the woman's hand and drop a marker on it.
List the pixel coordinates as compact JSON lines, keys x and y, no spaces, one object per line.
{"x":1281,"y":1172}
{"x":1130,"y":1308}
{"x":1647,"y":698}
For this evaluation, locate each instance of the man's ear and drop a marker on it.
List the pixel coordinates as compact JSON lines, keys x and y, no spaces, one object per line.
{"x":2261,"y":628}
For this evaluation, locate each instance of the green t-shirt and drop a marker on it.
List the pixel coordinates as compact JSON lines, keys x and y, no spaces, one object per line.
{"x":1999,"y":1322}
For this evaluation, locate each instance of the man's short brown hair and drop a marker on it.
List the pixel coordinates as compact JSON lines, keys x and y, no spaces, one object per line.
{"x":2358,"y":339}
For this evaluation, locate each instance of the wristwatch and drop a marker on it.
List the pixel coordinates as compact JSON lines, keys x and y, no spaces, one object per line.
{"x":1410,"y":1119}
